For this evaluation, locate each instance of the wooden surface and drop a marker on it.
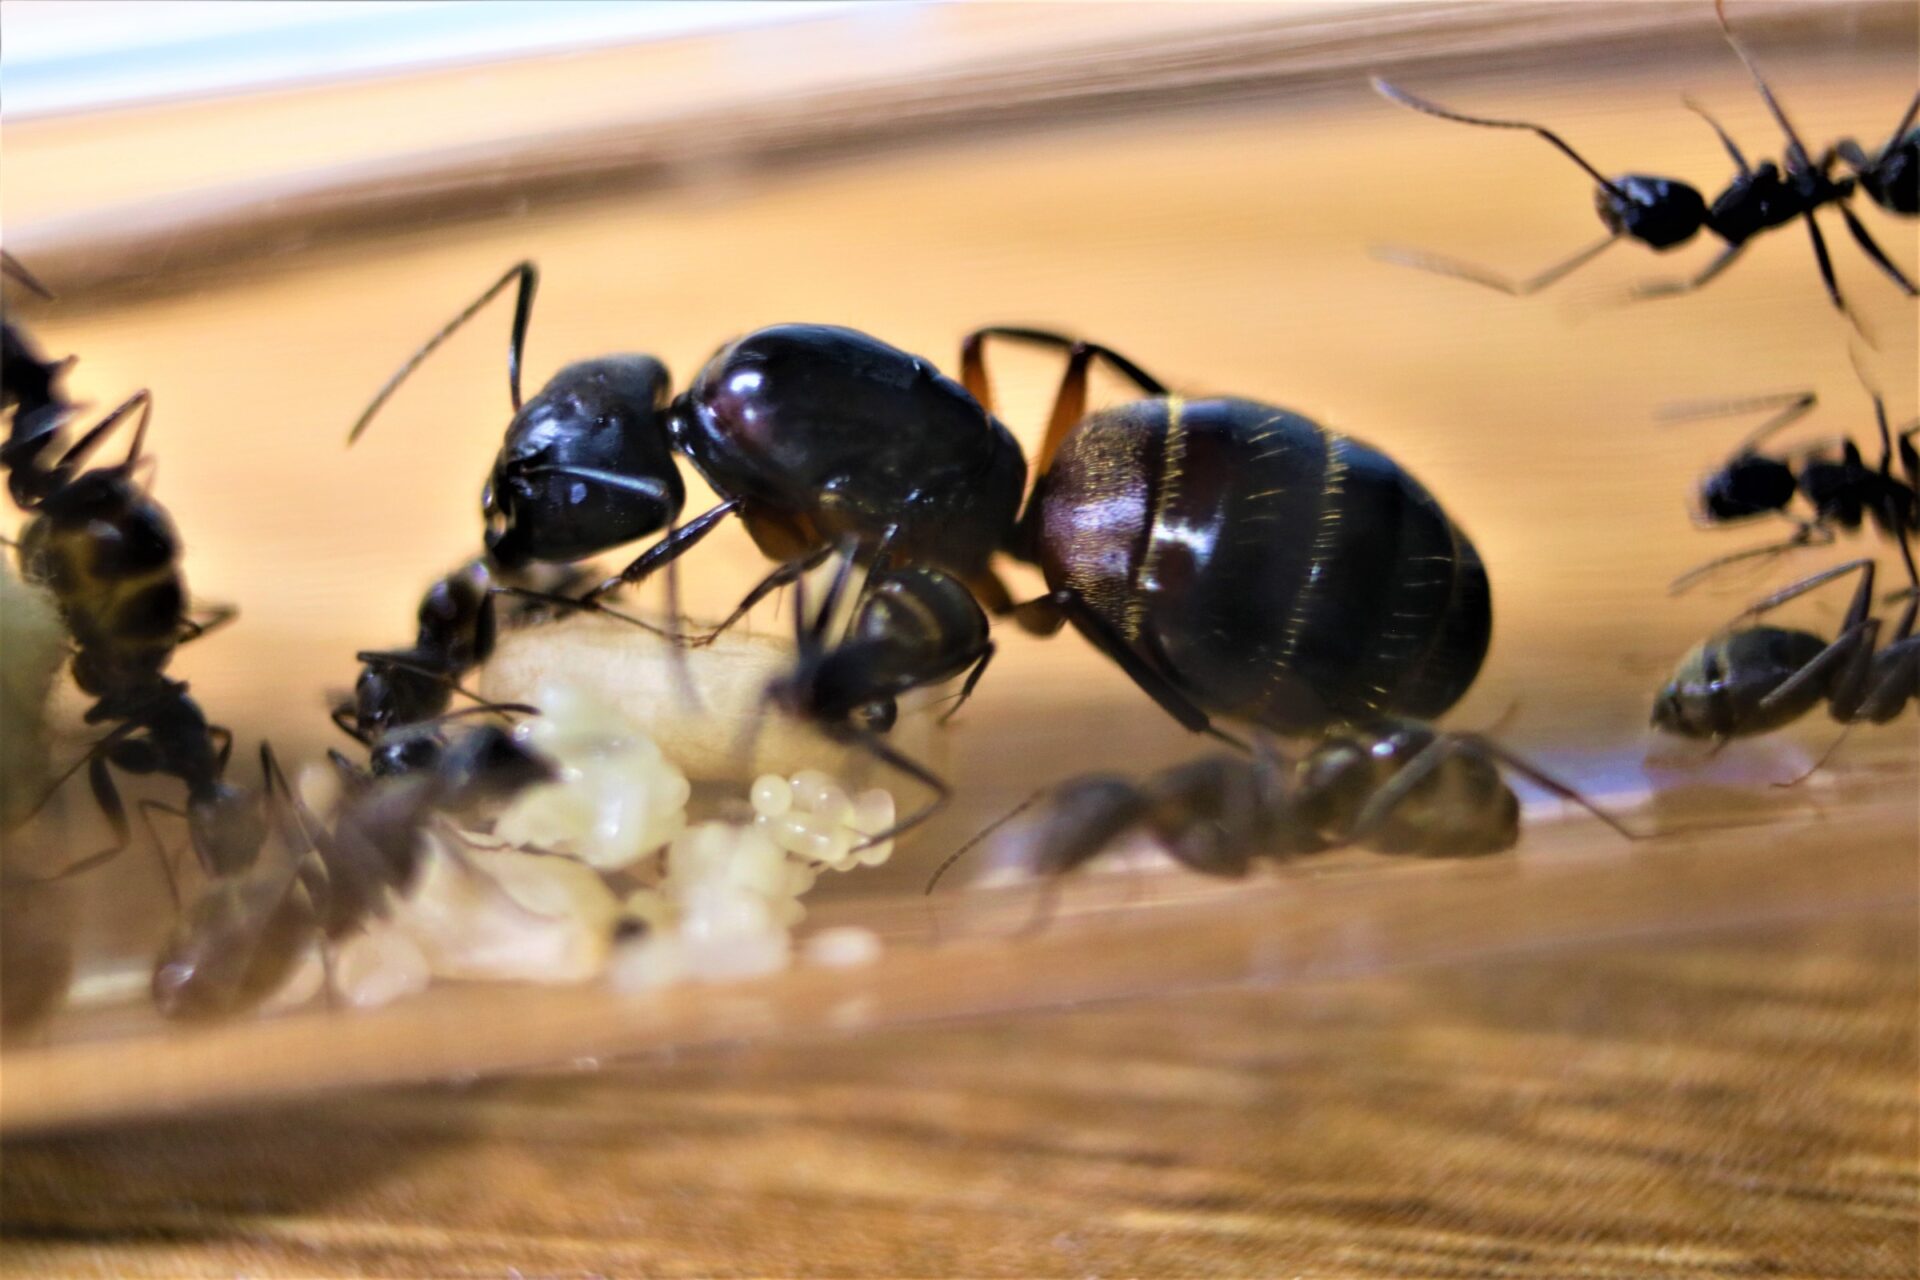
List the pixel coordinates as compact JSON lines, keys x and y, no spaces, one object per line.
{"x":1589,"y":1085}
{"x":1741,"y":1104}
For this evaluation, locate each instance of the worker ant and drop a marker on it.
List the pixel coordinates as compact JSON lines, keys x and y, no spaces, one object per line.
{"x":1664,"y":213}
{"x":1394,"y":786}
{"x":1238,"y":559}
{"x":909,"y":628}
{"x":108,"y":554}
{"x":807,"y":432}
{"x":242,"y":936}
{"x":1751,"y":679}
{"x":459,"y":623}
{"x":1843,"y":492}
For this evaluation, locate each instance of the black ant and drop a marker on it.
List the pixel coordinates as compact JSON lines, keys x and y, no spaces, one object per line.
{"x":1843,"y":492}
{"x":1238,"y":559}
{"x":240,"y":939}
{"x":459,"y":623}
{"x":1664,"y":213}
{"x":1751,"y":679}
{"x":909,"y":628}
{"x":108,"y":554}
{"x":807,"y":432}
{"x":1394,"y":786}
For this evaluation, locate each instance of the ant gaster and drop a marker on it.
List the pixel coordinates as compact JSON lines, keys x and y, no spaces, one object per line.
{"x":1237,"y":559}
{"x":1664,"y":213}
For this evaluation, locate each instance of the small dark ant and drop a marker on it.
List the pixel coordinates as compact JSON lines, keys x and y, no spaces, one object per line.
{"x":459,"y":623}
{"x":1843,"y":492}
{"x":1748,"y":679}
{"x":910,"y":628}
{"x":1664,"y":213}
{"x":1394,"y":786}
{"x":1238,"y":559}
{"x":807,"y":432}
{"x":240,"y":939}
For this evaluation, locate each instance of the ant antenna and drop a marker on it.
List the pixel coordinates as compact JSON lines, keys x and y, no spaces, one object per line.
{"x":980,"y":835}
{"x":14,"y":269}
{"x":1753,"y":69}
{"x":1421,"y":105}
{"x":529,"y":276}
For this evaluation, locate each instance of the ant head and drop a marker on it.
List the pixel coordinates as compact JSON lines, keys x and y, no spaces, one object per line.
{"x":227,"y":828}
{"x":586,"y":465}
{"x":1659,"y":212}
{"x":1747,"y":486}
{"x":406,"y":750}
{"x":488,"y":763}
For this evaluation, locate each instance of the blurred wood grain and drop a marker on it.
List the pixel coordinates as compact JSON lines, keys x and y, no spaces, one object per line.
{"x":1589,"y":1085}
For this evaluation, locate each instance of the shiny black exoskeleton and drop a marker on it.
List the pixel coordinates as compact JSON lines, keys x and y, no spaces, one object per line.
{"x":1664,"y":213}
{"x":1393,"y":786}
{"x":1890,"y":177}
{"x":1842,"y":491}
{"x":807,"y":432}
{"x":1239,"y":560}
{"x":1747,"y":679}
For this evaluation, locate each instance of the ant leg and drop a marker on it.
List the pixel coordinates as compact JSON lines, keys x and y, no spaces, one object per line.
{"x":1825,"y":262}
{"x":216,"y":617}
{"x":1814,"y":534}
{"x":1856,"y":611}
{"x":399,"y":660}
{"x":1797,"y":148}
{"x":1870,"y":247}
{"x":1794,"y":405}
{"x":224,"y":736}
{"x":973,"y":678}
{"x":1673,"y":288}
{"x":1070,"y":401}
{"x":580,"y":605}
{"x":667,"y":550}
{"x":529,"y":276}
{"x":147,"y":809}
{"x":77,"y":454}
{"x":1547,"y":782}
{"x":875,"y":746}
{"x":347,"y":722}
{"x":1472,"y":274}
{"x":1046,"y":615}
{"x":783,"y":575}
{"x":107,"y":796}
{"x":1851,"y":653}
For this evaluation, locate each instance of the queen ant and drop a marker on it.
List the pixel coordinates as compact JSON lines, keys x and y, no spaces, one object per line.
{"x":1664,"y":213}
{"x":1394,"y":786}
{"x":1842,"y":491}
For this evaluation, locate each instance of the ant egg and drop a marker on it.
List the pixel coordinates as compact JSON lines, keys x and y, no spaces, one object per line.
{"x":772,"y":795}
